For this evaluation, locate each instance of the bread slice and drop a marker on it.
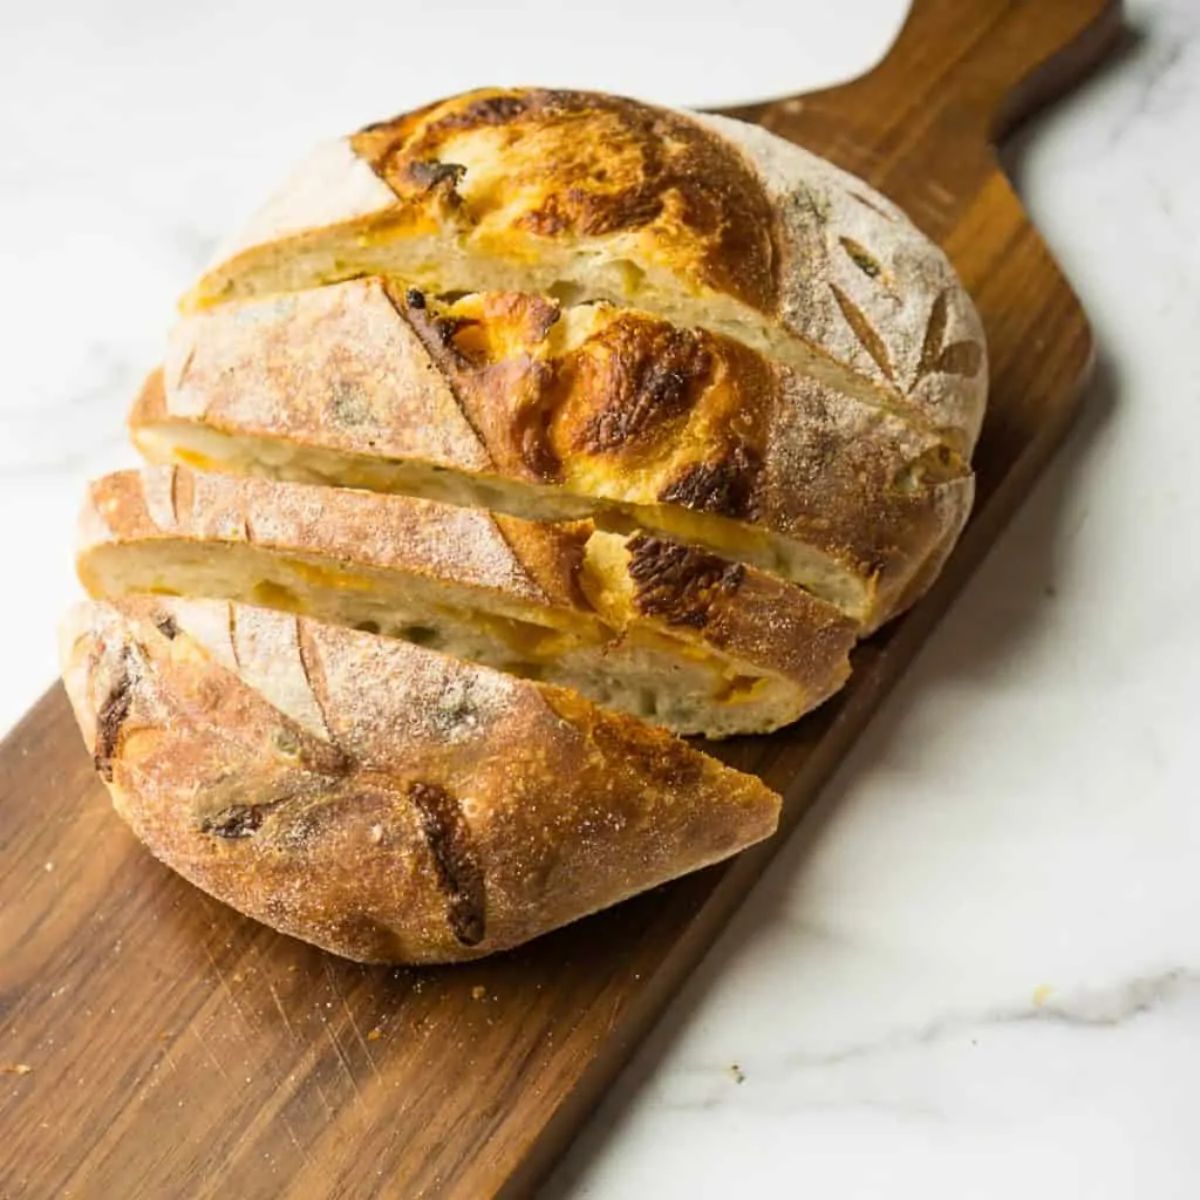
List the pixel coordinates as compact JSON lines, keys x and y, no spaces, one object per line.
{"x":549,"y":411}
{"x":376,"y":798}
{"x":702,"y":220}
{"x":671,"y":634}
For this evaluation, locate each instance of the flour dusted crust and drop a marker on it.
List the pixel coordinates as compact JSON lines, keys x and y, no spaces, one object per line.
{"x":696,"y":217}
{"x":382,"y":801}
{"x":860,"y":280}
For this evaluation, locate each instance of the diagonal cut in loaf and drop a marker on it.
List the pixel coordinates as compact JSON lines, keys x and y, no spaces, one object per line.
{"x":545,"y":411}
{"x":654,"y":629}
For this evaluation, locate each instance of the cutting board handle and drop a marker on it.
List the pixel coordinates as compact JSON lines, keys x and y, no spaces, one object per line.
{"x":1006,"y":58}
{"x":960,"y":74}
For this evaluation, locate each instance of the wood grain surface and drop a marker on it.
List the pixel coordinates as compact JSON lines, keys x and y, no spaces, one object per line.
{"x":153,"y":1043}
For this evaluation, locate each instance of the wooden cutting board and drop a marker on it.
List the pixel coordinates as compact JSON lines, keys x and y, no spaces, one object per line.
{"x":153,"y":1043}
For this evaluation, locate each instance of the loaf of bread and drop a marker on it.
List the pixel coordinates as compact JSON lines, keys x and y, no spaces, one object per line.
{"x":376,"y":798}
{"x":655,"y":629}
{"x":501,"y":415}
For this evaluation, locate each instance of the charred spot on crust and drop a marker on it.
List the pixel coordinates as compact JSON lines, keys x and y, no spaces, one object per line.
{"x":430,"y":173}
{"x":725,"y":488}
{"x":458,"y":871}
{"x":414,"y":298}
{"x":167,"y":626}
{"x":438,"y":333}
{"x":488,"y":110}
{"x":238,"y":821}
{"x":648,"y":374}
{"x":110,"y":718}
{"x":678,"y":583}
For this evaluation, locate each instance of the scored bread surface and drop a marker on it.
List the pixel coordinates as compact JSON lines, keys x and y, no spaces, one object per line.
{"x":383,"y":801}
{"x":524,"y":388}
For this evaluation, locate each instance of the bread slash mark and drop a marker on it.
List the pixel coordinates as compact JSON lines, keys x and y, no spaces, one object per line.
{"x":167,"y":626}
{"x":111,"y":717}
{"x":867,"y":336}
{"x":861,"y":257}
{"x":458,"y":871}
{"x":957,"y":358}
{"x":239,"y":821}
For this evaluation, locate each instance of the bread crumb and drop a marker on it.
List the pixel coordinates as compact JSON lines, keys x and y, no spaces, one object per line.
{"x":1041,"y":994}
{"x":49,"y":866}
{"x":15,"y":1069}
{"x":375,"y":1034}
{"x":736,"y":1073}
{"x":478,"y":992}
{"x":376,"y":834}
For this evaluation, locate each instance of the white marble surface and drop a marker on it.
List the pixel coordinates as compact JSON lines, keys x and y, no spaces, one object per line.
{"x":977,"y":974}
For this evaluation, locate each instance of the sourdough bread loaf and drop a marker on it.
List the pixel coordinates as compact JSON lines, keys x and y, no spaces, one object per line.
{"x":502,"y":414}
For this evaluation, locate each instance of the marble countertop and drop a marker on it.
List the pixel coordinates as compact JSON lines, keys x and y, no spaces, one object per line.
{"x":976,"y":972}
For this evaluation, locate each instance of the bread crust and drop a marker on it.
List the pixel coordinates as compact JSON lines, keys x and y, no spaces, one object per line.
{"x":530,"y":570}
{"x":610,"y":404}
{"x":593,"y":316}
{"x":704,"y":207}
{"x":377,"y":799}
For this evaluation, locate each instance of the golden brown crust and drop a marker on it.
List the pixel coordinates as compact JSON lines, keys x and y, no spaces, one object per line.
{"x":696,"y":217}
{"x":426,"y":810}
{"x":741,"y":610}
{"x":613,"y":405}
{"x":586,"y":165}
{"x":559,"y":574}
{"x":557,"y":304}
